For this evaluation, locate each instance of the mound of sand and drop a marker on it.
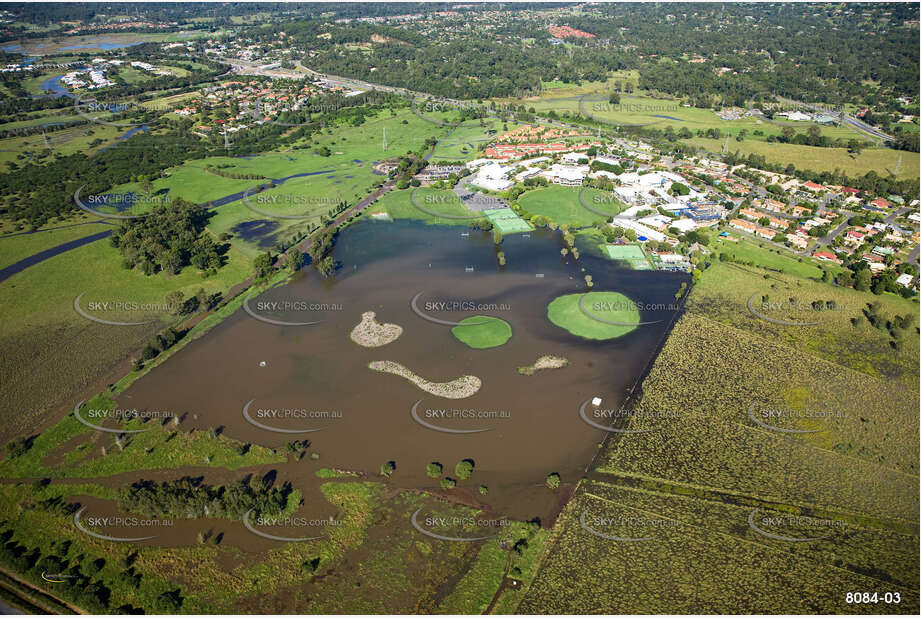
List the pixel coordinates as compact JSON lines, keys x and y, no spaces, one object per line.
{"x":372,"y":334}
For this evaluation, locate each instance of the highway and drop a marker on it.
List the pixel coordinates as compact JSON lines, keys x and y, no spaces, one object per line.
{"x":851,"y":121}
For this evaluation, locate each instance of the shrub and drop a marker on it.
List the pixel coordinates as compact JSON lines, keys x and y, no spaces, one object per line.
{"x":464,"y":469}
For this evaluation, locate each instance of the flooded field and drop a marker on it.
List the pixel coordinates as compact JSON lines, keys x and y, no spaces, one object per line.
{"x":263,"y":382}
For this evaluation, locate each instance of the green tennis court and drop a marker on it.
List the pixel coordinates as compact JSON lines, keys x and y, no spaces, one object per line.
{"x":507,"y":220}
{"x":628,"y":253}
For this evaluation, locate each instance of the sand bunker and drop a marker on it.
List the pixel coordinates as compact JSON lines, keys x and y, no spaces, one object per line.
{"x":464,"y":386}
{"x":544,"y":362}
{"x":372,"y":334}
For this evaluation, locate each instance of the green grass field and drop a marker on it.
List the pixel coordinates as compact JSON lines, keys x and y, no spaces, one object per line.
{"x":482,"y":331}
{"x":591,"y":100}
{"x":15,"y":248}
{"x":772,"y":257}
{"x":564,"y":205}
{"x":564,"y":311}
{"x":881,"y":160}
{"x":399,"y":205}
{"x":51,"y":351}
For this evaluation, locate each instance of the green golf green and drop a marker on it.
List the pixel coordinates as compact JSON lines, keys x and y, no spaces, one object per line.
{"x":482,"y":331}
{"x":564,"y":311}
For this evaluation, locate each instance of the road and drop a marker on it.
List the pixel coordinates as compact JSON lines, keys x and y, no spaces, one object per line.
{"x":849,"y":120}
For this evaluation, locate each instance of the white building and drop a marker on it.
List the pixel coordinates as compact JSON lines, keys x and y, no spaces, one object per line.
{"x":608,"y":160}
{"x":574,"y":158}
{"x":797,"y":116}
{"x":492,"y":176}
{"x":568,"y":175}
{"x":684,"y":225}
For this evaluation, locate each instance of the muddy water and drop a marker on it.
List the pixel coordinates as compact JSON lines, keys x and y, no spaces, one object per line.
{"x":363,"y":418}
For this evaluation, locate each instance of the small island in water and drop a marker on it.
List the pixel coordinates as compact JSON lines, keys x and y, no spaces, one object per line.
{"x":544,"y":362}
{"x":459,"y":388}
{"x":370,"y":333}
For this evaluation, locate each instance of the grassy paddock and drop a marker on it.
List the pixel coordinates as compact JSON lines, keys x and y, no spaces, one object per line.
{"x":564,"y":311}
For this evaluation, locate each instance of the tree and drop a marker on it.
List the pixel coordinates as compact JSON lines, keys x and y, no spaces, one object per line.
{"x":464,"y":469}
{"x":553,"y":480}
{"x":862,"y":280}
{"x":434,"y":470}
{"x":174,"y":301}
{"x":448,"y":483}
{"x":388,"y":467}
{"x":263,"y":265}
{"x":296,"y":259}
{"x":614,"y":98}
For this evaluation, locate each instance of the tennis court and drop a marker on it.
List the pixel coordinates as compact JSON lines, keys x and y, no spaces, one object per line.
{"x":507,"y":220}
{"x":628,"y":253}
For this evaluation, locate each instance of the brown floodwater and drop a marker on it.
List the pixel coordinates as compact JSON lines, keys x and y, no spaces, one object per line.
{"x":363,"y":418}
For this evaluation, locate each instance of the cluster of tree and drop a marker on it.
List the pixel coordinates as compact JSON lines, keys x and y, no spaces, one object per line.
{"x":161,"y":342}
{"x":898,"y":326}
{"x":190,"y":498}
{"x":171,"y":237}
{"x":85,"y":581}
{"x":218,"y":170}
{"x":321,"y":252}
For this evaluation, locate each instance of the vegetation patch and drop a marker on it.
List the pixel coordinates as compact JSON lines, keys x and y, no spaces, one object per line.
{"x":607,"y":307}
{"x":482,"y":331}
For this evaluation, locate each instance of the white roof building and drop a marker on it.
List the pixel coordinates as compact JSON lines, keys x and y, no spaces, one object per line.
{"x":684,"y":225}
{"x":657,"y":221}
{"x":904,"y":280}
{"x":795,"y":115}
{"x":608,"y":160}
{"x":492,"y":176}
{"x":574,"y":157}
{"x":568,"y":174}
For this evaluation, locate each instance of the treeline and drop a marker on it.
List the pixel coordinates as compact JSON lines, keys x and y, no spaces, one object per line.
{"x":171,"y":237}
{"x":189,"y":498}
